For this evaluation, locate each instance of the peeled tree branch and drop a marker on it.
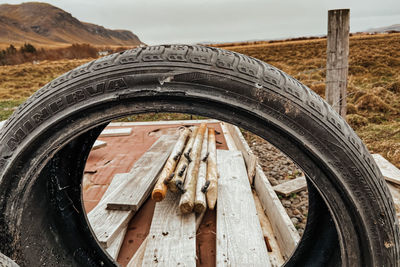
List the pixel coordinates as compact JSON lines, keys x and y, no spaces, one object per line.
{"x":212,"y":173}
{"x":186,"y":203}
{"x":160,"y":189}
{"x":200,"y":203}
{"x":177,"y":182}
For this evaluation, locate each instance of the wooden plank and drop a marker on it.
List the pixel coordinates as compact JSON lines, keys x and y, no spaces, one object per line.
{"x":239,"y":236}
{"x":337,"y":59}
{"x":115,"y":246}
{"x":275,"y":256}
{"x":137,"y":259}
{"x":283,"y":227}
{"x":290,"y":187}
{"x":99,"y":144}
{"x":134,"y":192}
{"x":389,"y":171}
{"x":228,"y":138}
{"x":285,"y":232}
{"x":172,"y":236}
{"x":2,"y":124}
{"x":6,"y":261}
{"x":110,"y":132}
{"x":395,"y":192}
{"x":248,"y":155}
{"x":177,"y":122}
{"x":118,"y":219}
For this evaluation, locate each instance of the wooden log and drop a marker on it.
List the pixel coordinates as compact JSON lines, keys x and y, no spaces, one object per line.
{"x":107,"y":224}
{"x":284,"y":230}
{"x":337,"y":59}
{"x":200,"y":203}
{"x":389,"y":171}
{"x":186,"y":204}
{"x":111,"y":132}
{"x":176,"y":184}
{"x":212,"y":172}
{"x":240,"y":240}
{"x":172,"y":236}
{"x":160,"y":189}
{"x":98,"y":144}
{"x":137,"y":259}
{"x":290,"y":187}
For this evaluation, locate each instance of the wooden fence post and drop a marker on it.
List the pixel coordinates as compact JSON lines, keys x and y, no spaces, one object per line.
{"x":337,"y":63}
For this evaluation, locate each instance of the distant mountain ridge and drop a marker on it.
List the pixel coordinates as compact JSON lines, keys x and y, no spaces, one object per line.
{"x":391,"y":28}
{"x":45,"y":25}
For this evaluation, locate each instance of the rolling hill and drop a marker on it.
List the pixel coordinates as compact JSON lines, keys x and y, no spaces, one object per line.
{"x":391,"y":28}
{"x":44,"y":25}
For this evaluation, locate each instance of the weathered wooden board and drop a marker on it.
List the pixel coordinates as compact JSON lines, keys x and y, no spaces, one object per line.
{"x":145,"y":171}
{"x":395,"y":192}
{"x":118,"y":219}
{"x":285,"y":232}
{"x":172,"y":236}
{"x":275,"y":256}
{"x":241,"y":144}
{"x":107,"y":224}
{"x":230,"y":143}
{"x":115,"y":246}
{"x":137,"y":259}
{"x":177,"y":122}
{"x":116,"y":132}
{"x":239,"y":236}
{"x":99,"y":144}
{"x":290,"y":187}
{"x":389,"y":171}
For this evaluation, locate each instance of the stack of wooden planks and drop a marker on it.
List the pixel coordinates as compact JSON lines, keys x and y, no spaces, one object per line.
{"x":252,"y":226}
{"x":244,"y":234}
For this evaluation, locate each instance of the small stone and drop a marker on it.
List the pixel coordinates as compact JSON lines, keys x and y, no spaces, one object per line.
{"x":286,"y":203}
{"x":294,"y":220}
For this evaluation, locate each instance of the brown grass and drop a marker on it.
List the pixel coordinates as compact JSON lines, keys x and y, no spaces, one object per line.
{"x":373,"y":87}
{"x":21,"y":81}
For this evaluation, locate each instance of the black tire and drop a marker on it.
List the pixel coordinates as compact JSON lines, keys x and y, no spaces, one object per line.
{"x":44,"y":146}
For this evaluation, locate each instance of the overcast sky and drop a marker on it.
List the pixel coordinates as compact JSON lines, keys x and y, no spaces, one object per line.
{"x":192,"y":21}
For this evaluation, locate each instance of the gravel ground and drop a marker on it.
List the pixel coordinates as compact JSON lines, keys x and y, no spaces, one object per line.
{"x":280,"y":169}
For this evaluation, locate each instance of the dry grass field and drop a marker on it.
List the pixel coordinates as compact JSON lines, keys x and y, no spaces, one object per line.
{"x":374,"y":81}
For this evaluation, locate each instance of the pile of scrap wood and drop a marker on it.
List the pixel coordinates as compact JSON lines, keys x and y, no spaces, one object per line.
{"x":184,"y":172}
{"x":191,"y":169}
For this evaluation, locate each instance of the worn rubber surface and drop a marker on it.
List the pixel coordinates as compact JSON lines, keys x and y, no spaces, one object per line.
{"x":44,"y":146}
